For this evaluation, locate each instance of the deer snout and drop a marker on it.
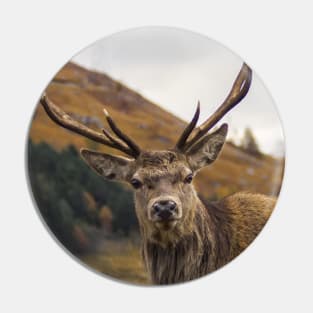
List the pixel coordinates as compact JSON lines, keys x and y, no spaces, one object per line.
{"x":164,"y":210}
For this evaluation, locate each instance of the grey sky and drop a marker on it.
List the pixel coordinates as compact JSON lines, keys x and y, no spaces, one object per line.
{"x":175,"y":69}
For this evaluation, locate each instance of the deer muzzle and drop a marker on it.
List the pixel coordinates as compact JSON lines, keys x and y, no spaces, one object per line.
{"x":164,"y":210}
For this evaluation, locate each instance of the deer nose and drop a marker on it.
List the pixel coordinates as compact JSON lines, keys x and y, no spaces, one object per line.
{"x":164,"y":209}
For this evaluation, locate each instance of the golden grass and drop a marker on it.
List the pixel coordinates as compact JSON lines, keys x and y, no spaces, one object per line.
{"x":121,"y":260}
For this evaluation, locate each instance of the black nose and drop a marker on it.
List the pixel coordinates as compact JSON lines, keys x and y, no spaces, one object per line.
{"x":164,"y":209}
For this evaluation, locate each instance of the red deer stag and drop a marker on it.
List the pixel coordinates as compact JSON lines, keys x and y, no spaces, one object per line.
{"x":182,"y":238}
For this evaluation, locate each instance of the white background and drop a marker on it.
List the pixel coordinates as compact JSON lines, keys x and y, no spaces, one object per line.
{"x":275,"y":273}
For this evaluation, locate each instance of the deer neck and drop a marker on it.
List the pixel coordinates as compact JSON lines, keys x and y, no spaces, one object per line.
{"x":189,"y":254}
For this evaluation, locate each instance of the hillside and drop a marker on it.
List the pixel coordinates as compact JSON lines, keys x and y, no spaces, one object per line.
{"x":85,"y":93}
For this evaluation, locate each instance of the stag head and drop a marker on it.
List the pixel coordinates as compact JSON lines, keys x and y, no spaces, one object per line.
{"x":162,"y":180}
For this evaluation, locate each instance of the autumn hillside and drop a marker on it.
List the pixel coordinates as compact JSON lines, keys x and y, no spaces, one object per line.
{"x":83,"y":94}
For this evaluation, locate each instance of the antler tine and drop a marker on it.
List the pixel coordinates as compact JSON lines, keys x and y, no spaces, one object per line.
{"x":188,"y":130}
{"x":130,"y":143}
{"x":112,"y":138}
{"x":238,"y":91}
{"x":65,"y":121}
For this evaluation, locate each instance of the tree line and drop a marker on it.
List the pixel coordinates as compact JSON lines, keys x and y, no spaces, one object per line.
{"x":68,"y":194}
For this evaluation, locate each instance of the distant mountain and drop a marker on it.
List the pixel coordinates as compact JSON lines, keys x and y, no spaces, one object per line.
{"x":84,"y":93}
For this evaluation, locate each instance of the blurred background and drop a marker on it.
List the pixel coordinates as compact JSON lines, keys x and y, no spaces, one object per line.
{"x":149,"y":80}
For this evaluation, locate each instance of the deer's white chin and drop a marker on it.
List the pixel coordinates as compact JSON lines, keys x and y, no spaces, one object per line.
{"x":166,"y":225}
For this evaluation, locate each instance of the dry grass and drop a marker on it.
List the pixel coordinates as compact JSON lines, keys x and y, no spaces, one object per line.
{"x":121,"y":260}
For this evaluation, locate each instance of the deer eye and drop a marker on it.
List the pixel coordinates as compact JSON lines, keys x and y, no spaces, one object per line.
{"x":136,"y":183}
{"x":188,"y":179}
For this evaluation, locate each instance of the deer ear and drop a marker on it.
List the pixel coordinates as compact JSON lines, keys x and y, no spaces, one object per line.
{"x":206,"y":150}
{"x":106,"y":165}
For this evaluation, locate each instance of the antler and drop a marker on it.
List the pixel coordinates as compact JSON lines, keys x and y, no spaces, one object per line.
{"x":188,"y":130}
{"x":120,"y":142}
{"x":238,"y":91}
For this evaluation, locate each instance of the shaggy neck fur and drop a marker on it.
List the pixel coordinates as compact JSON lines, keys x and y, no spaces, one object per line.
{"x":195,"y":254}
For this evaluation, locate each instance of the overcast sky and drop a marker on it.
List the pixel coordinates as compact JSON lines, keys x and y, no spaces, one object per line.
{"x":175,"y":69}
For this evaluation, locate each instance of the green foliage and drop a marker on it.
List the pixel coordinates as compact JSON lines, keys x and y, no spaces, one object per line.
{"x":59,"y":180}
